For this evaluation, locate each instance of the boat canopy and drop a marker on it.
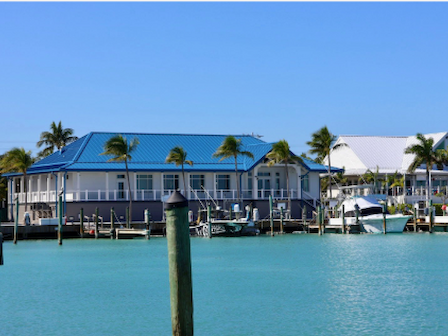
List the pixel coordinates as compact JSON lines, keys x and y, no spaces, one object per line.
{"x":368,"y":205}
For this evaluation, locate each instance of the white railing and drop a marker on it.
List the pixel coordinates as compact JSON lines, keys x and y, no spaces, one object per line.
{"x":154,"y":195}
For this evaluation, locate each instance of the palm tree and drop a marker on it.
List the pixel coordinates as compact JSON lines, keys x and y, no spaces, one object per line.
{"x":57,"y":137}
{"x":232,"y":147}
{"x":178,"y":156}
{"x":121,"y":150}
{"x":372,"y":177}
{"x":18,"y":160}
{"x":281,"y":153}
{"x":320,"y":144}
{"x":424,"y":154}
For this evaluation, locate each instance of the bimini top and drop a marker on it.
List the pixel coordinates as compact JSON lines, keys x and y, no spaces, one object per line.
{"x":85,"y":154}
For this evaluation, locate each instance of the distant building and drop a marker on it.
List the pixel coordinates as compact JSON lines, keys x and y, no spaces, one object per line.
{"x":386,"y":153}
{"x":86,"y":180}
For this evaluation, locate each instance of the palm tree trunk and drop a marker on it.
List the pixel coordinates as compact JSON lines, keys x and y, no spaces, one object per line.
{"x":129,"y":190}
{"x":427,"y":185}
{"x":183,"y":178}
{"x":237,"y":182}
{"x":287,"y":186}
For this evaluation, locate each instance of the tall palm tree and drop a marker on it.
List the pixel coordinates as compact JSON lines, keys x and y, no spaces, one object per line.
{"x":232,"y":147}
{"x":281,"y":154}
{"x":58,"y":137}
{"x":18,"y":160}
{"x":178,"y":156}
{"x":121,"y":150}
{"x":320,"y":144}
{"x":425,"y":154}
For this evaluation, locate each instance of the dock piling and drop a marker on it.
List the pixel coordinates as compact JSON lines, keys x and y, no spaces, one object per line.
{"x":16,"y":222}
{"x":148,"y":224}
{"x":318,"y":218}
{"x":281,"y":220}
{"x":60,"y":221}
{"x":96,"y":223}
{"x":384,"y":219}
{"x":209,"y":220}
{"x":81,"y":222}
{"x":431,"y":218}
{"x":128,"y":219}
{"x":415,"y":219}
{"x":112,"y":222}
{"x":343,"y":218}
{"x":1,"y":248}
{"x":271,"y":215}
{"x":179,"y":258}
{"x":304,"y":217}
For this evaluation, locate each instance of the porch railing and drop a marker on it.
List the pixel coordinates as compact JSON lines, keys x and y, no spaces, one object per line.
{"x":154,"y":195}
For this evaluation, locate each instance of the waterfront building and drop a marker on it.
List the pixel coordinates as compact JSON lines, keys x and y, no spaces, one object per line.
{"x":386,"y":156}
{"x":86,"y":179}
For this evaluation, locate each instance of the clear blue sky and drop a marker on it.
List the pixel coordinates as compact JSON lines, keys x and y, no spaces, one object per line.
{"x":282,"y":70}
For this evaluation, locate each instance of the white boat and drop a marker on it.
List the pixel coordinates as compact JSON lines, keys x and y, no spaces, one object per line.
{"x":370,"y":216}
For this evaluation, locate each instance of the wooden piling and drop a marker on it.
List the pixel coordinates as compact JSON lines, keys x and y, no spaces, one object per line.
{"x":96,"y":223}
{"x":318,"y":218}
{"x":271,"y":215}
{"x":148,"y":224}
{"x":179,"y":258}
{"x":209,"y":220}
{"x":60,"y":221}
{"x":1,"y":248}
{"x":343,"y":218}
{"x":16,"y":222}
{"x":384,"y":219}
{"x":230,"y":212}
{"x":304,"y":217}
{"x":81,"y":222}
{"x":281,"y":220}
{"x":112,"y":222}
{"x":415,"y":219}
{"x":128,"y":220}
{"x":431,"y":219}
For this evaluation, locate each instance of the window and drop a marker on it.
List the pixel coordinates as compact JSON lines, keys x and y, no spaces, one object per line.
{"x":144,"y":182}
{"x":306,"y":183}
{"x":264,"y":174}
{"x":171,"y":182}
{"x":120,"y":176}
{"x":223,"y":182}
{"x":277,"y":181}
{"x":196,"y":181}
{"x":249,"y":181}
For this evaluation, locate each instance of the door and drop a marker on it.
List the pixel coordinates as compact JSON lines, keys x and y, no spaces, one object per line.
{"x":121,"y":190}
{"x":264,"y":186}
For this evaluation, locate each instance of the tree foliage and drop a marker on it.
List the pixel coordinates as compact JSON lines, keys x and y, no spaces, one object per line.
{"x":58,"y":137}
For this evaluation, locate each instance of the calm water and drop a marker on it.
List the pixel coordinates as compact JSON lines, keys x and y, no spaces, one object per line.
{"x":286,"y":285}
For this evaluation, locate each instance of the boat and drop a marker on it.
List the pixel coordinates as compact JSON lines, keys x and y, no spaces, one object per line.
{"x":370,"y":215}
{"x":221,"y":225}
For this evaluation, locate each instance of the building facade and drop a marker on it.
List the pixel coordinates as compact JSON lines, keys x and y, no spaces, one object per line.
{"x":84,"y":178}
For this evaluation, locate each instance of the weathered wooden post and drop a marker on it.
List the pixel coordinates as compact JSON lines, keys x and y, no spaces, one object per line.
{"x":431,"y":218}
{"x":128,"y":221}
{"x":318,"y":218}
{"x":209,"y":220}
{"x":343,"y":218}
{"x":304,"y":217}
{"x":16,"y":222}
{"x":281,"y":220}
{"x":415,"y":219}
{"x":271,"y":215}
{"x":384,"y":219}
{"x":1,"y":248}
{"x":60,"y":220}
{"x":96,"y":223}
{"x":179,"y":258}
{"x":230,"y":212}
{"x":322,"y":219}
{"x":112,"y":222}
{"x":81,"y":222}
{"x":148,"y":224}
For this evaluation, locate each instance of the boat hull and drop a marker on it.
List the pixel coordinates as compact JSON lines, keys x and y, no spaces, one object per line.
{"x":374,"y":223}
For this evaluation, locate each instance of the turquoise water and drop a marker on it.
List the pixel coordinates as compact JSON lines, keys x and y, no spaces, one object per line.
{"x":286,"y":285}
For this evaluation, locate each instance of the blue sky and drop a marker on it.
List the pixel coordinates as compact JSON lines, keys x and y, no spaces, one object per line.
{"x":282,"y":70}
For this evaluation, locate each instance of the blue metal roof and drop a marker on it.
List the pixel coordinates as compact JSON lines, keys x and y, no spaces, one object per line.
{"x":150,"y":154}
